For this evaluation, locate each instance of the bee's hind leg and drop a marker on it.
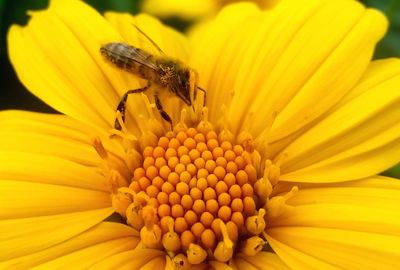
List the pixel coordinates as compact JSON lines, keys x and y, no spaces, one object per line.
{"x":160,"y":109}
{"x":122,"y":105}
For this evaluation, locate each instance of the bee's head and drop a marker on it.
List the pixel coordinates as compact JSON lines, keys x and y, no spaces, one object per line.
{"x":185,"y":90}
{"x":192,"y":84}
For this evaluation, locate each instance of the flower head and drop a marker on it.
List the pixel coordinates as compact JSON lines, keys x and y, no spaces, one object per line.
{"x":275,"y":171}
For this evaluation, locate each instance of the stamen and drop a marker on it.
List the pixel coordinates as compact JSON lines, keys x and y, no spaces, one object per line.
{"x":274,"y":171}
{"x":196,"y":254}
{"x":256,"y":224}
{"x":252,"y":246}
{"x":225,"y":134}
{"x":204,"y":126}
{"x":224,"y":250}
{"x":99,"y":147}
{"x":181,"y":126}
{"x":149,"y":216}
{"x":263,"y":186}
{"x":262,"y":140}
{"x":134,"y":216}
{"x":151,"y":236}
{"x":170,"y":240}
{"x":245,"y":139}
{"x":180,"y":262}
{"x":244,"y":128}
{"x":276,"y":206}
{"x":120,"y":201}
{"x":116,"y":181}
{"x":133,"y":159}
{"x":147,"y":138}
{"x":154,"y":125}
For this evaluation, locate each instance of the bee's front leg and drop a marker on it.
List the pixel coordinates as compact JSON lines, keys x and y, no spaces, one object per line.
{"x":160,"y":109}
{"x":122,"y":104}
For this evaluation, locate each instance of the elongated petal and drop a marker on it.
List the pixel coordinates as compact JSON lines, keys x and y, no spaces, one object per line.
{"x":24,"y":236}
{"x":242,"y":264}
{"x":216,"y":265}
{"x":351,"y":225}
{"x":132,"y":259}
{"x":26,"y":199}
{"x":51,"y":186}
{"x":264,"y":261}
{"x":60,"y":138}
{"x":68,"y":73}
{"x":172,"y":43}
{"x":358,"y":138}
{"x":216,"y":51}
{"x":79,"y":252}
{"x":297,"y":59}
{"x":158,"y":262}
{"x":20,"y":166}
{"x":188,"y":10}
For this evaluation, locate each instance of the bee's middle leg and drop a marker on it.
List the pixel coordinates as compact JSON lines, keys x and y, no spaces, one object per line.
{"x":122,"y":105}
{"x":160,"y":109}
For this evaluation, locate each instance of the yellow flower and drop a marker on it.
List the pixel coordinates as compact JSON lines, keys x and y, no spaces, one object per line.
{"x":276,"y":172}
{"x":194,"y":9}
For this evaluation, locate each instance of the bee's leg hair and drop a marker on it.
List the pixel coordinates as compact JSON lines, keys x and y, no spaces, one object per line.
{"x":122,"y":104}
{"x":160,"y":109}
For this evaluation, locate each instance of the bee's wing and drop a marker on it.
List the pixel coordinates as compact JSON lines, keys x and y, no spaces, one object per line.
{"x":141,"y":57}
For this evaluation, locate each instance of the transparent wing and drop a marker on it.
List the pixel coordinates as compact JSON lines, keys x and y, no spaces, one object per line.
{"x":139,"y":56}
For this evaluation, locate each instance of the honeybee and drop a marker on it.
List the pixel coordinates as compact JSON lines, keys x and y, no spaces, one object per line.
{"x":161,"y":72}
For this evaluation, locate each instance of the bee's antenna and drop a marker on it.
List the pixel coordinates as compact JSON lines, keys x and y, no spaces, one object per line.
{"x":148,"y":38}
{"x":205,"y":95}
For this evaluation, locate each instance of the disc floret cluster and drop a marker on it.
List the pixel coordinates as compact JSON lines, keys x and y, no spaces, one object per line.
{"x":194,"y":196}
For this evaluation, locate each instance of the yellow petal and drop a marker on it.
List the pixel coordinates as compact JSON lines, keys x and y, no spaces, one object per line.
{"x":37,"y":151}
{"x":217,"y":53}
{"x":26,"y":236}
{"x":297,"y":259}
{"x":242,"y":264}
{"x":133,"y":259}
{"x":58,"y":137}
{"x":340,"y":248}
{"x":352,"y":225}
{"x":57,"y":57}
{"x":156,"y":263}
{"x":216,"y":265}
{"x":21,"y":166}
{"x":265,"y":260}
{"x":187,"y":10}
{"x":293,"y":59}
{"x":359,"y":137}
{"x":81,"y":251}
{"x":193,"y":10}
{"x":26,"y":199}
{"x":170,"y":41}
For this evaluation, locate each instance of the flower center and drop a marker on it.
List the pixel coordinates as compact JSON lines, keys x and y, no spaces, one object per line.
{"x":195,"y":194}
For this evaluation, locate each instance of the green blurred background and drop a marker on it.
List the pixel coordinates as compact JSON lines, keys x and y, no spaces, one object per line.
{"x":13,"y":94}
